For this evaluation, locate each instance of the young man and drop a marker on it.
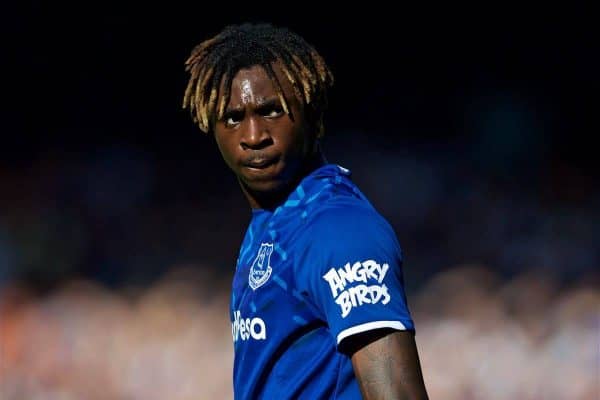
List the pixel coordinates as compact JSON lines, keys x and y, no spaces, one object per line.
{"x":318,"y":308}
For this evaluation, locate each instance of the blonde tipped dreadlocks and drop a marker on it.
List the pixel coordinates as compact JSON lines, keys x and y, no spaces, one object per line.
{"x":217,"y":60}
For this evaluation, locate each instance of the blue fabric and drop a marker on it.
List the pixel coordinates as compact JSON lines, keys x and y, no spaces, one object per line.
{"x":320,"y":268}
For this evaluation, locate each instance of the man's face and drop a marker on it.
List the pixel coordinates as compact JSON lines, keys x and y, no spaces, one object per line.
{"x":263,"y":146}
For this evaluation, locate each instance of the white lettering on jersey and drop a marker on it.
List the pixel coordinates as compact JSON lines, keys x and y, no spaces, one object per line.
{"x":246,"y":328}
{"x":366,"y":272}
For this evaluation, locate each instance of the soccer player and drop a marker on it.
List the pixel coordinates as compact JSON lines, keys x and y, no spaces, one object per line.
{"x":318,"y":307}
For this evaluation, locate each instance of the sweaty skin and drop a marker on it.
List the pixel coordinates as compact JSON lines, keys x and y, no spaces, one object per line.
{"x":268,"y":150}
{"x":247,"y":91}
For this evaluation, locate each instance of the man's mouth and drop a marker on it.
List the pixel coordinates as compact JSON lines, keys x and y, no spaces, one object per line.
{"x":259,"y":162}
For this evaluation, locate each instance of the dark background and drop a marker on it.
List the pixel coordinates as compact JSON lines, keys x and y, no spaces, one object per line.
{"x":471,"y":131}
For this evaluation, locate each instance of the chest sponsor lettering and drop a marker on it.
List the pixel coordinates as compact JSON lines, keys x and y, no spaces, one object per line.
{"x":247,"y":328}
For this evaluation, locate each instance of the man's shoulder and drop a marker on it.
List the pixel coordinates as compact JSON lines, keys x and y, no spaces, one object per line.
{"x":345,"y":230}
{"x":344,"y":215}
{"x":342,"y":207}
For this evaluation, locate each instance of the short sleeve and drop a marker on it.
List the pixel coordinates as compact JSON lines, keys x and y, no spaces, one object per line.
{"x":351,"y":272}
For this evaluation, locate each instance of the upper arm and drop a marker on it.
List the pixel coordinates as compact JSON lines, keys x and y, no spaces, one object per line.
{"x":352,"y":273}
{"x":386,"y":365}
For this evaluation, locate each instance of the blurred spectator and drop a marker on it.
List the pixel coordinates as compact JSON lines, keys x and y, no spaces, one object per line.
{"x":480,"y":337}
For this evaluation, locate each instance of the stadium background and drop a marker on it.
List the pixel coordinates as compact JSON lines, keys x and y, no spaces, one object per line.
{"x":119,"y":223}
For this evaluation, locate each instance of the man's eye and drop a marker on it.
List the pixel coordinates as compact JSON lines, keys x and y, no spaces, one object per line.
{"x":231,"y":121}
{"x":274,"y":112}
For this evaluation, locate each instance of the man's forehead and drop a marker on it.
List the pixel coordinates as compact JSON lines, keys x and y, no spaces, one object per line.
{"x":246,"y":81}
{"x":252,"y":76}
{"x":247,"y":92}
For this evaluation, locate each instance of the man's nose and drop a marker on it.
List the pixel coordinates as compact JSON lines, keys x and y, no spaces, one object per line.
{"x":255,"y":135}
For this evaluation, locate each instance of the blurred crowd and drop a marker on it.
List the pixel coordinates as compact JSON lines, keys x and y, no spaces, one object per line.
{"x":115,"y":269}
{"x":479,"y":336}
{"x":120,"y":215}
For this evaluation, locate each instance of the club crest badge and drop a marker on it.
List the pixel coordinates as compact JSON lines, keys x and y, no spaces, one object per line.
{"x":260,"y":271}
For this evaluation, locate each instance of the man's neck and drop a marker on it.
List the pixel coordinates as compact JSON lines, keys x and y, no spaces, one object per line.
{"x":270,"y":201}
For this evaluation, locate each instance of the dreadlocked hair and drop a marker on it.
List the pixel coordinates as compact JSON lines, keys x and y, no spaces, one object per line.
{"x":216,"y":61}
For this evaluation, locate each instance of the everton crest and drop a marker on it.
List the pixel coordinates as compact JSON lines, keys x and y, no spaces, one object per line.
{"x":260,"y":271}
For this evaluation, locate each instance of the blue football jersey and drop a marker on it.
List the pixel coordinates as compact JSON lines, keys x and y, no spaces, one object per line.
{"x":318,"y":269}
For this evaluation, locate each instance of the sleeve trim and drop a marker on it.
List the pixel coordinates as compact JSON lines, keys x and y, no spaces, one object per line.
{"x":368,"y":327}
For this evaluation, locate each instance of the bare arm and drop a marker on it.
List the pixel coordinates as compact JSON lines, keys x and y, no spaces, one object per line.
{"x":386,"y":365}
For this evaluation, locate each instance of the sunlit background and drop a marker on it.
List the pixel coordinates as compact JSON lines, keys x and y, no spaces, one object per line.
{"x":120,"y":225}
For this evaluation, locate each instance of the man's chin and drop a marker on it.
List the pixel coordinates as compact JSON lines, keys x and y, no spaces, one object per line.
{"x":264,"y":187}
